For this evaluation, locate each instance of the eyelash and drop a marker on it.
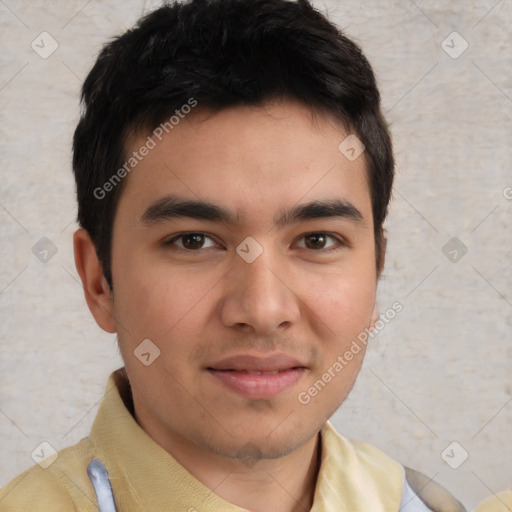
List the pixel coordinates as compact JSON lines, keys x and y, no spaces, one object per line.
{"x":340,"y":242}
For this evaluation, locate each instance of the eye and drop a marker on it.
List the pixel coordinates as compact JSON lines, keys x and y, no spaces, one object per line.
{"x":191,"y":241}
{"x":320,"y":241}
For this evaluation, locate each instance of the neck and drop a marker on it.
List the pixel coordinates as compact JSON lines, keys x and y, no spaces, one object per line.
{"x":286,"y":484}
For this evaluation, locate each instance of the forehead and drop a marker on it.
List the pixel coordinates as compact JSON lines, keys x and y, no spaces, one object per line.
{"x":247,"y":157}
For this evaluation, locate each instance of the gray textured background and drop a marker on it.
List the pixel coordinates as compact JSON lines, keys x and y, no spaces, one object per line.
{"x":439,"y":372}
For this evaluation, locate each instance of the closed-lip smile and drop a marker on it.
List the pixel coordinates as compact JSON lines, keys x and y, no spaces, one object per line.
{"x":258,"y":377}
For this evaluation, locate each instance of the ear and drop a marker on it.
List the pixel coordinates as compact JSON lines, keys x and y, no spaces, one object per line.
{"x":380,"y":268}
{"x":374,"y":316}
{"x":98,"y":294}
{"x":382,"y":259}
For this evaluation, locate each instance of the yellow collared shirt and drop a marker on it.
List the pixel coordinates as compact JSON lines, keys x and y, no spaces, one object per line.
{"x":142,"y":476}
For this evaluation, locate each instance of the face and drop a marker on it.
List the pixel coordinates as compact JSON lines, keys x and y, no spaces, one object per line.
{"x":243,"y":249}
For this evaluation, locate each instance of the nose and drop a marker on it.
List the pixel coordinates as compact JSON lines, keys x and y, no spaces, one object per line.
{"x":259,"y":297}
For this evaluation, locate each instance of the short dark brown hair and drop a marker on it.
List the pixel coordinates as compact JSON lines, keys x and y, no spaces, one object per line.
{"x":221,"y":53}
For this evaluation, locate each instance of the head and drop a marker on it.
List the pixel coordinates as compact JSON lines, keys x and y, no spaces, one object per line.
{"x":220,"y":219}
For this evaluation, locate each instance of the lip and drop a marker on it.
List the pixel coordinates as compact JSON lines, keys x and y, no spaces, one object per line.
{"x":257,"y":364}
{"x":249,"y":375}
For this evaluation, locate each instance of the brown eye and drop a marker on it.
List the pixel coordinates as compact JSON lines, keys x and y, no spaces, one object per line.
{"x":315,"y":241}
{"x":193,"y":241}
{"x":320,"y":242}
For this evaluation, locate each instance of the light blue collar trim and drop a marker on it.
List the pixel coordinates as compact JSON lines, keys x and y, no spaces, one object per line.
{"x":98,"y":475}
{"x":411,"y":502}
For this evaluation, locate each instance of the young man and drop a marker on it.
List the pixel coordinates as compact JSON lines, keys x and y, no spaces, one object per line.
{"x":233,"y":174}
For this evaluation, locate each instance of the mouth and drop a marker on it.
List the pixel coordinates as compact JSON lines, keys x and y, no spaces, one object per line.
{"x":258,"y":378}
{"x":249,"y":372}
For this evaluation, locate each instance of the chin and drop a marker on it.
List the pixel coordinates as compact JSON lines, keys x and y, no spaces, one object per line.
{"x":255,"y":444}
{"x":253,"y":450}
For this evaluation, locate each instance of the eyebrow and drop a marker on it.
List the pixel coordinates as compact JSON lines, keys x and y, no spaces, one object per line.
{"x":321,"y":210}
{"x":170,"y":207}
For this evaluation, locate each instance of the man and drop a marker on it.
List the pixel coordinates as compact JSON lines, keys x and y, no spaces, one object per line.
{"x":233,"y":174}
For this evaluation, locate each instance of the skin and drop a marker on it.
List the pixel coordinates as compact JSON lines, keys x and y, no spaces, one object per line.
{"x":303,"y":296}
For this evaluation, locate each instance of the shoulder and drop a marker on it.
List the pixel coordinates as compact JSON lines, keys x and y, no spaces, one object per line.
{"x":63,"y":486}
{"x":364,"y":476}
{"x":412,"y":491}
{"x":361,"y":457}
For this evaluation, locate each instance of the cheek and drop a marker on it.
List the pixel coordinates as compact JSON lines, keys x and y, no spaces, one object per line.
{"x":154,"y":302}
{"x":343,"y":313}
{"x":343,"y":302}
